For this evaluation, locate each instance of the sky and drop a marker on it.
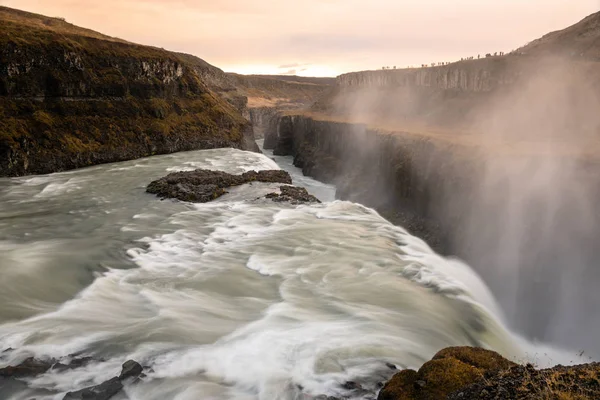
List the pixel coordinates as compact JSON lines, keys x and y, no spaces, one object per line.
{"x":320,"y":37}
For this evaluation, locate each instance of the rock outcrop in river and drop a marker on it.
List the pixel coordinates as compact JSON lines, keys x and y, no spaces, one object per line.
{"x":202,"y":186}
{"x":71,"y":97}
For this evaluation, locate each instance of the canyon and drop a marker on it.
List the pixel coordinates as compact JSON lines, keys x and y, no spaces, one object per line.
{"x":495,"y":161}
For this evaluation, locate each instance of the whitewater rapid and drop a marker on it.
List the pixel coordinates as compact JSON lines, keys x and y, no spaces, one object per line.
{"x":241,"y":298}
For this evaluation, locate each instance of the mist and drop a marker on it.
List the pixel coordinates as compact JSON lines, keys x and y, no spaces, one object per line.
{"x":513,"y":181}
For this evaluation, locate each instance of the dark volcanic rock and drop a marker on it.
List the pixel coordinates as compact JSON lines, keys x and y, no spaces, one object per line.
{"x":109,"y":388}
{"x":293,"y":194}
{"x":103,"y":391}
{"x":131,"y":369}
{"x":75,"y":363}
{"x":10,"y":377}
{"x":29,"y":367}
{"x":201,"y":185}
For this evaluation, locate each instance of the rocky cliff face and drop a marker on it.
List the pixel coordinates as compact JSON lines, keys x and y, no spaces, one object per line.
{"x":264,"y":120}
{"x":400,"y":176}
{"x":466,"y":76}
{"x":71,"y":97}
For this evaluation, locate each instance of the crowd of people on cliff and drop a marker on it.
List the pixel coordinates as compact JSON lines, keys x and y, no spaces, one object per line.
{"x":440,"y":64}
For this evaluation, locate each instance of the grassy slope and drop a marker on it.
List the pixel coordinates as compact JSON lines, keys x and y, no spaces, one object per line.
{"x":580,"y":41}
{"x":71,"y":97}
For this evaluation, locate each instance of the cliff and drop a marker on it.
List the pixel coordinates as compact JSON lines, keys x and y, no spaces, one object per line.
{"x":467,"y":76}
{"x":71,"y":97}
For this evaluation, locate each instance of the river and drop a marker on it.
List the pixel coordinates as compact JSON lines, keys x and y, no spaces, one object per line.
{"x":241,"y":298}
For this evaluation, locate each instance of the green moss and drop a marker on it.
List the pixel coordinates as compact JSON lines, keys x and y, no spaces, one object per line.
{"x":450,"y":370}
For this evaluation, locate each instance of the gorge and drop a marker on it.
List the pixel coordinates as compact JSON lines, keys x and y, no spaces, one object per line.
{"x":247,"y":289}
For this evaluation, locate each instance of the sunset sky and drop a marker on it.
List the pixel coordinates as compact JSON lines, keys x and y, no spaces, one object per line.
{"x":320,"y":37}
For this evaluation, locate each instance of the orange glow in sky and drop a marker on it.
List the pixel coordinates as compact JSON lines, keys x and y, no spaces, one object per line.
{"x":320,"y":37}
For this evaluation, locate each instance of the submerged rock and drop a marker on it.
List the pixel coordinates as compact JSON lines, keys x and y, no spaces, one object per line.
{"x":103,"y":391}
{"x":293,"y":194}
{"x":109,"y":388}
{"x":202,"y":185}
{"x":11,"y":376}
{"x":29,"y":367}
{"x":473,"y":373}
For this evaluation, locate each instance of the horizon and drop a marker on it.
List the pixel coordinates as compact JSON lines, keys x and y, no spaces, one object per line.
{"x":320,"y":38}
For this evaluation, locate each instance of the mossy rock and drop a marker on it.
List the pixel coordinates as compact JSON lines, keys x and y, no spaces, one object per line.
{"x":450,"y":370}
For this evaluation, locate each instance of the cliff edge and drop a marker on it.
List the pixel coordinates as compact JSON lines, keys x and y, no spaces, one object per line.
{"x":71,"y":97}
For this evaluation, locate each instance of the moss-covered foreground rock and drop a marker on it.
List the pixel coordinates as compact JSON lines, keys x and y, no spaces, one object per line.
{"x":71,"y":97}
{"x":473,"y":373}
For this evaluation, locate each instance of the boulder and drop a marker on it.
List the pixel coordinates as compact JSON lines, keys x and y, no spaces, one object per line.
{"x":292,"y":194}
{"x":450,"y":370}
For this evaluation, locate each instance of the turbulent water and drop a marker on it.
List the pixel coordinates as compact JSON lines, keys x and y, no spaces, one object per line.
{"x":241,"y":298}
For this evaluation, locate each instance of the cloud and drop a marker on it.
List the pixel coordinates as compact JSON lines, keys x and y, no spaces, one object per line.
{"x":294,"y":65}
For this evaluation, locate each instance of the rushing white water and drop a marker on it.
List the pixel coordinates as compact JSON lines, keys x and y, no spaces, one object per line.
{"x":241,"y":298}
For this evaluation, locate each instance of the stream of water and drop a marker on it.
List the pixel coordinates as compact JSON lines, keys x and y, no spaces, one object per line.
{"x":241,"y":298}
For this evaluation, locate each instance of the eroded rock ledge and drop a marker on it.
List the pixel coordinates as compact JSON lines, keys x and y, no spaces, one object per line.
{"x":473,"y":373}
{"x":203,"y":185}
{"x":131,"y":372}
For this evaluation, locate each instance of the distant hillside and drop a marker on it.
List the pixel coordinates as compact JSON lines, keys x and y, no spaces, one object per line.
{"x":256,"y":91}
{"x":289,"y":92}
{"x":298,"y":79}
{"x":581,"y":40}
{"x":71,"y":97}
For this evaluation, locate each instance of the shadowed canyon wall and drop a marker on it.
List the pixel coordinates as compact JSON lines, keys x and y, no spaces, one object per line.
{"x":495,"y":161}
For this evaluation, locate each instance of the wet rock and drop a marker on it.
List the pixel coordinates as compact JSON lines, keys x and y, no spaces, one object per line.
{"x":75,"y":363}
{"x":391,"y":366}
{"x":292,"y":194}
{"x":351,"y":385}
{"x":201,"y":185}
{"x":109,"y":388}
{"x":131,"y":369}
{"x":29,"y":367}
{"x":103,"y":391}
